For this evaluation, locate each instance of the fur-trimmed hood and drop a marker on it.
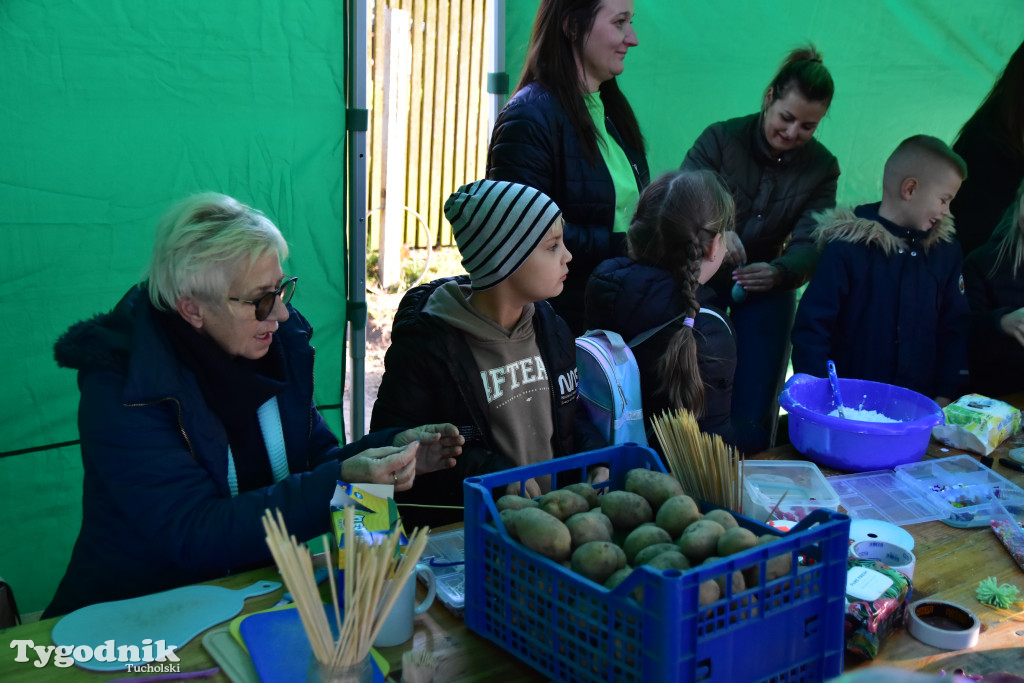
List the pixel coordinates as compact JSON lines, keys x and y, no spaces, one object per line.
{"x":842,"y":224}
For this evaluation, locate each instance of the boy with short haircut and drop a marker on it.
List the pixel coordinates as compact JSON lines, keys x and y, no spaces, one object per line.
{"x":512,"y":359}
{"x":886,"y":302}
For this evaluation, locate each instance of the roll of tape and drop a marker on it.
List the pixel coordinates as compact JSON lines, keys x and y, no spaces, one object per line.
{"x":887,"y":553}
{"x":878,"y":530}
{"x":943,"y":624}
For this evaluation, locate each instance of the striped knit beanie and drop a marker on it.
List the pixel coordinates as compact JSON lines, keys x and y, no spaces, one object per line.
{"x":497,"y":225}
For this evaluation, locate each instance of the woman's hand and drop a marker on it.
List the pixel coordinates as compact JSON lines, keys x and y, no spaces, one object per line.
{"x":440,"y":444}
{"x":531,"y":486}
{"x":385,"y":465}
{"x":1013,"y":325}
{"x":735,"y":254}
{"x":598,"y":474}
{"x":757,"y":277}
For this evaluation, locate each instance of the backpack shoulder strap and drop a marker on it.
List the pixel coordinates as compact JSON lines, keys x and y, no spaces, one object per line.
{"x":717,"y":315}
{"x":644,"y":336}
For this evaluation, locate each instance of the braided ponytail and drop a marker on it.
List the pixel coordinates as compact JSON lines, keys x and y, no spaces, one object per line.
{"x":676,"y":221}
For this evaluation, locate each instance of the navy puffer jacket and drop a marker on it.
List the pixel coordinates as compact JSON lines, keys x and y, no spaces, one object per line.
{"x":630,"y":298}
{"x":535,"y":144}
{"x":157,"y":512}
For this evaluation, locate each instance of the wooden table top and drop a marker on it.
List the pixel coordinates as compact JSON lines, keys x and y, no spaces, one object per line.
{"x":950,"y":563}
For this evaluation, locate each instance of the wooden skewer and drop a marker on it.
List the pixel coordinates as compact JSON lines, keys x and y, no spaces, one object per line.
{"x":374,"y":577}
{"x":777,"y":504}
{"x":704,"y":465}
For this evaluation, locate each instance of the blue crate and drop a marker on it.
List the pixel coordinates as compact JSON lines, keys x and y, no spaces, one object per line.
{"x":572,"y":629}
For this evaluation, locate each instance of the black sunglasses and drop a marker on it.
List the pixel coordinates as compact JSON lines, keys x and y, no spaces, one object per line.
{"x":265,"y":304}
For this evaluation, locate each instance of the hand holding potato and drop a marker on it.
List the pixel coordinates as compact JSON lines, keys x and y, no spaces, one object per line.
{"x":385,"y":465}
{"x":757,"y":277}
{"x":440,"y":444}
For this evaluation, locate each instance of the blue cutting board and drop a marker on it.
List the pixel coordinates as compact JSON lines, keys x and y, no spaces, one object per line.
{"x":175,"y":616}
{"x":279,"y":648}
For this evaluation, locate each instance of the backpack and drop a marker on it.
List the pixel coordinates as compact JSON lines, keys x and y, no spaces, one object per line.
{"x":609,"y":382}
{"x":609,"y":386}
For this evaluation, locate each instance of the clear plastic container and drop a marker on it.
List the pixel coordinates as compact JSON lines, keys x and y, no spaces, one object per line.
{"x":798,"y":484}
{"x":962,"y":487}
{"x":882,"y":495}
{"x":445,"y":554}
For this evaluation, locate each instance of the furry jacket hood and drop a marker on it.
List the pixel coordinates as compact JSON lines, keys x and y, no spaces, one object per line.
{"x":844,"y":225}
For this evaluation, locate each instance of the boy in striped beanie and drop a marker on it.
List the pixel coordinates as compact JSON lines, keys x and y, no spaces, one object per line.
{"x":486,"y":351}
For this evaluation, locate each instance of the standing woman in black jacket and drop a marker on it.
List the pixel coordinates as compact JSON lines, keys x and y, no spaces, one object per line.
{"x":779,"y":176}
{"x":569,"y":132}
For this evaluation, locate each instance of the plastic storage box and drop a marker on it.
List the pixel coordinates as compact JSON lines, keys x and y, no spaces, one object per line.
{"x":854,"y":445}
{"x":962,"y":487}
{"x":799,"y":486}
{"x":572,"y":629}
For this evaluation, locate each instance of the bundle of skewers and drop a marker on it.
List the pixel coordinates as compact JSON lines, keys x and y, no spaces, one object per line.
{"x":374,"y":577}
{"x":705,"y":466}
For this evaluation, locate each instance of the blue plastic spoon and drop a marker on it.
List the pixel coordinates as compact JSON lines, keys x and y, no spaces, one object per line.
{"x":834,"y":381}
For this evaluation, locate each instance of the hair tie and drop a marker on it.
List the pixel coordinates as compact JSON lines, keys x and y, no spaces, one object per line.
{"x":688,"y":322}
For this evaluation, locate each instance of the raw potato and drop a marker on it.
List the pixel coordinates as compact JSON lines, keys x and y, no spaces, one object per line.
{"x":618,"y":577}
{"x":778,"y":565}
{"x":508,"y":518}
{"x":655,"y":487}
{"x":643,"y":536}
{"x":673,"y":559}
{"x":652,"y":551}
{"x":708,"y":592}
{"x":700,"y":540}
{"x":589,"y":526}
{"x":563,"y":504}
{"x":513,"y":502}
{"x":736,"y":540}
{"x":598,"y":560}
{"x":626,"y":510}
{"x":677,"y":513}
{"x":544,"y":533}
{"x":587,"y":491}
{"x":738,"y":583}
{"x":723,"y":517}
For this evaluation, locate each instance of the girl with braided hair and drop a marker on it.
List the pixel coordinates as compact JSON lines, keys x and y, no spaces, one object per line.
{"x":676,"y":242}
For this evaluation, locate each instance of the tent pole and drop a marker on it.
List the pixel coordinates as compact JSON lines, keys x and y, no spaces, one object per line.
{"x":355,"y":179}
{"x":497,"y":79}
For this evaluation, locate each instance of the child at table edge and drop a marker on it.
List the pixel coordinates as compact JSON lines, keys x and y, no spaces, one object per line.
{"x":487,"y":351}
{"x":886,"y":302}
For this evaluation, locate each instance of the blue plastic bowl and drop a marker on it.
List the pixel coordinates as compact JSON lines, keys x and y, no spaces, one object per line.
{"x":854,"y":445}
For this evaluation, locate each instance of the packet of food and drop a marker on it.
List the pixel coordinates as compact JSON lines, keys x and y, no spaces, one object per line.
{"x":977,"y":423}
{"x":375,"y":515}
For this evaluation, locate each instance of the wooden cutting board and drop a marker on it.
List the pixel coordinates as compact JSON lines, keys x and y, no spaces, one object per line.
{"x":175,"y":616}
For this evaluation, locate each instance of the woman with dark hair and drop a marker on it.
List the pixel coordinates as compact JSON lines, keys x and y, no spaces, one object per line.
{"x":992,"y":144}
{"x":676,"y":243}
{"x":779,"y":176}
{"x":994,"y":278}
{"x":570,"y":132}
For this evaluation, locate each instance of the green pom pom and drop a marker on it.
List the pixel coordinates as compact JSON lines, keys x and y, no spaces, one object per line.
{"x":990,"y":593}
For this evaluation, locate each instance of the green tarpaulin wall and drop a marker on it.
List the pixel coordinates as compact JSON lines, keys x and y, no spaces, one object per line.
{"x":110,"y":111}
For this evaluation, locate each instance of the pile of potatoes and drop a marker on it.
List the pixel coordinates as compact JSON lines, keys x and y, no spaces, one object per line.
{"x":652,"y":522}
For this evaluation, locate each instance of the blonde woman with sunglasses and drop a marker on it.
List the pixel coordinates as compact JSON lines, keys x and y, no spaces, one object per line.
{"x":197,"y":414}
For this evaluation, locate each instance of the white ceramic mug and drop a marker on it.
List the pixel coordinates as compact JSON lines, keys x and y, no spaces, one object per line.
{"x":397,"y":627}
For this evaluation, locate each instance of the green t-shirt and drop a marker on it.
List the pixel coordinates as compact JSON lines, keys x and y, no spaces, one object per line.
{"x":623,"y":178}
